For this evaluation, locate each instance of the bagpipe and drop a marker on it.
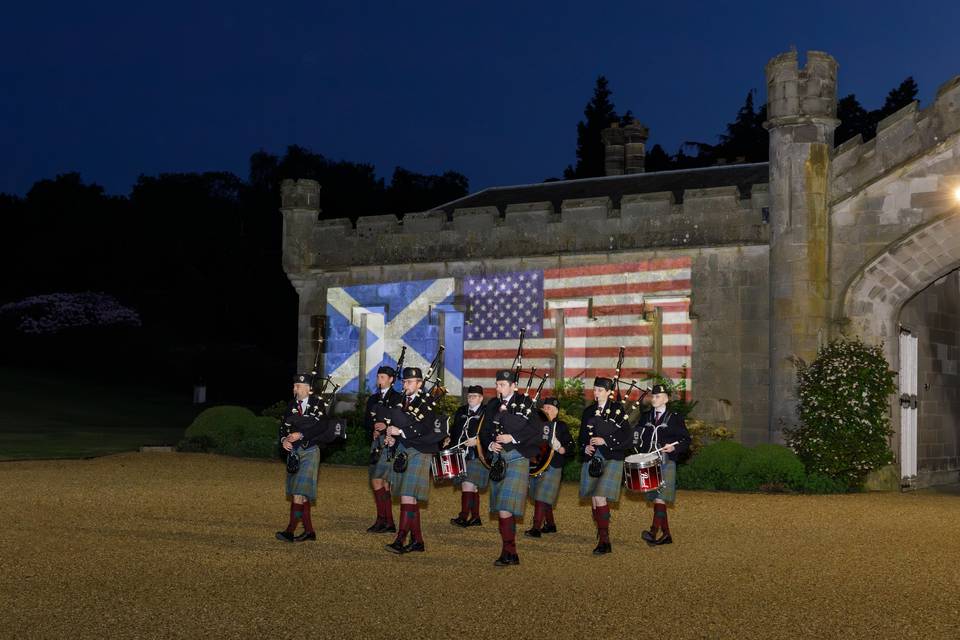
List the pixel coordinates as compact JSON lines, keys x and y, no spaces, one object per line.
{"x":521,"y":404}
{"x":423,"y":402}
{"x":376,"y":446}
{"x":319,"y":407}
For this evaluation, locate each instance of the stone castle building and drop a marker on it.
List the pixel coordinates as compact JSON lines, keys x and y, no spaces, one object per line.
{"x":724,"y":276}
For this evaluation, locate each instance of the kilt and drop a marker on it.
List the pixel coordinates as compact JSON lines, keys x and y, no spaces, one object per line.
{"x":606,"y":486}
{"x":510,"y":494}
{"x":304,"y":481}
{"x":546,"y":487}
{"x":476,"y":473}
{"x":668,"y":490}
{"x":415,"y":481}
{"x":382,"y":468}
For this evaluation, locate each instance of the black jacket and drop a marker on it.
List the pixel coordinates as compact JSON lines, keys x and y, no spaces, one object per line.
{"x":460,"y":421}
{"x":317,"y":429}
{"x":670,"y":428}
{"x":618,"y":438}
{"x":423,"y":434}
{"x":528,"y":432}
{"x":375,"y":400}
{"x":566,"y":441}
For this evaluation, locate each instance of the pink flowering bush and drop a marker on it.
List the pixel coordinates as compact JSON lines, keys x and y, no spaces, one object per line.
{"x":843,"y":406}
{"x":55,"y":313}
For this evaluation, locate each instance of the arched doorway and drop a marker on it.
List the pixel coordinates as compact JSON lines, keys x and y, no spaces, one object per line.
{"x":908,"y":298}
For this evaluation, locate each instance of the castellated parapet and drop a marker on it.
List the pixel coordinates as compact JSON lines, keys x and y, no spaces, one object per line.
{"x":705,"y":217}
{"x":794,"y":94}
{"x":901,"y":137}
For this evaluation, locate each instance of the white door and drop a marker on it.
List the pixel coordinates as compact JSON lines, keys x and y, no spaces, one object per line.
{"x":908,"y":404}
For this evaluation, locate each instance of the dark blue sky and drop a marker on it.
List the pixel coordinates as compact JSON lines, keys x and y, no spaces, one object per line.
{"x":492,"y":89}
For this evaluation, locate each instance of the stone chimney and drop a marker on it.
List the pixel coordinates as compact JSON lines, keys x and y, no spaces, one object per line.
{"x":613,"y":159}
{"x":625,"y":149}
{"x":635,"y":146}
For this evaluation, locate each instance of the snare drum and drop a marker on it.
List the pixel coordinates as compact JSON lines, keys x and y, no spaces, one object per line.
{"x":641,"y":472}
{"x":449,"y":464}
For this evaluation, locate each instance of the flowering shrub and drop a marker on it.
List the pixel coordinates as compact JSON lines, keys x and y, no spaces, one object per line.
{"x":57,"y":312}
{"x":703,"y":433}
{"x":843,"y":402}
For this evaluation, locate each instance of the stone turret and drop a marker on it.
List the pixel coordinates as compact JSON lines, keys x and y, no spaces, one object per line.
{"x":802,"y":108}
{"x":300,"y":207}
{"x":625,"y":148}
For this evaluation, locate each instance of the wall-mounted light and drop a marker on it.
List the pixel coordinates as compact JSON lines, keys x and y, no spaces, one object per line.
{"x":956,"y":194}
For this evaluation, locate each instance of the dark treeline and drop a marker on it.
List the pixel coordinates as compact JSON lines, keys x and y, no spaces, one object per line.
{"x":744,"y":140}
{"x":196,"y":255}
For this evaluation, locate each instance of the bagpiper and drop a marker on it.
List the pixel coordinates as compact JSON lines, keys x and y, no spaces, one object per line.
{"x":379,"y":469}
{"x":545,"y":488}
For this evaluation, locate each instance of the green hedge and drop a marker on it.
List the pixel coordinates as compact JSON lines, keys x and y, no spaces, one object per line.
{"x":232,"y":431}
{"x":730,"y":466}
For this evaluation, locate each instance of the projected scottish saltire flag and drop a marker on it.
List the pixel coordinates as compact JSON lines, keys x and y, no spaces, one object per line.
{"x":576,"y":318}
{"x":387,"y":317}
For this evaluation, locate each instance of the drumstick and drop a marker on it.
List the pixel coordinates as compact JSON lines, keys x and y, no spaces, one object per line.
{"x":672,"y":444}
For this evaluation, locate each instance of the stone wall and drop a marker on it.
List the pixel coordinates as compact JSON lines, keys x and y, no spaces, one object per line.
{"x":705,"y":217}
{"x":934,"y":317}
{"x":728,"y":313}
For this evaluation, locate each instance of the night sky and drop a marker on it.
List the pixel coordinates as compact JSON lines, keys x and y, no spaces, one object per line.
{"x":492,"y":90}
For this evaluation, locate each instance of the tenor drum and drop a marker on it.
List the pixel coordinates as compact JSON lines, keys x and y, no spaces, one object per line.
{"x":449,"y":464}
{"x":641,"y":472}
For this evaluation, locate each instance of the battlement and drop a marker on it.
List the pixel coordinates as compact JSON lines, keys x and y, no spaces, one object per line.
{"x":705,"y":217}
{"x":795,"y":94}
{"x":901,"y":136}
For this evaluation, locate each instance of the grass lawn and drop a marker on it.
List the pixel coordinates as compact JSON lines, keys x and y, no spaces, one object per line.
{"x":42,"y":416}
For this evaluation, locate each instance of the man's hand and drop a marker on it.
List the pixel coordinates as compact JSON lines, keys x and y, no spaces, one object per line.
{"x":496,"y":447}
{"x":389,"y":440}
{"x":668,"y":448}
{"x":393,"y":431}
{"x":446,"y":441}
{"x":597,"y":441}
{"x":562,"y":451}
{"x":589,"y":449}
{"x":504,"y":438}
{"x":471,"y":442}
{"x":287,"y":445}
{"x":379,"y":426}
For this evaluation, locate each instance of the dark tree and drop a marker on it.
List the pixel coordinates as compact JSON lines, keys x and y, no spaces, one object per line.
{"x":854,"y":119}
{"x":745,"y":140}
{"x":410,"y":191}
{"x":657,"y":160}
{"x":598,"y":115}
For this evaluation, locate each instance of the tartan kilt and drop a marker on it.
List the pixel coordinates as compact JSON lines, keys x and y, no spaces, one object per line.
{"x":304,"y":481}
{"x":668,"y":490}
{"x":510,"y":494}
{"x":382,"y":468}
{"x":606,"y":486}
{"x":476,"y":473}
{"x":415,"y":481}
{"x":546,"y":487}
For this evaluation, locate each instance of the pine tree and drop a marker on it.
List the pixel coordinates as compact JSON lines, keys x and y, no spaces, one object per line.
{"x":598,"y":114}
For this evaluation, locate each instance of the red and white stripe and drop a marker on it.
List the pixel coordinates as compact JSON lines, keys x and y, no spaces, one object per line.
{"x":620,"y":293}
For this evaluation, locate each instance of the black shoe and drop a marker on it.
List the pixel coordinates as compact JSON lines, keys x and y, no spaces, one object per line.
{"x":506,"y":559}
{"x":602,"y":549}
{"x":286,"y":536}
{"x":532,"y":533}
{"x":376,"y":527}
{"x":396,"y":546}
{"x":548,"y":528}
{"x":460,"y":521}
{"x":476,"y":522}
{"x":664,"y":539}
{"x":648,"y":537}
{"x":306,"y":535}
{"x":388,"y":528}
{"x":413,"y":546}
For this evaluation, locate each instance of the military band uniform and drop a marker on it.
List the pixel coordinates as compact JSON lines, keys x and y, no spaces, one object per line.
{"x":379,"y":467}
{"x":304,"y":420}
{"x":545,"y":488}
{"x":465,"y":423}
{"x":419,"y":438}
{"x":657,"y":428}
{"x":509,"y":495}
{"x":603,"y":420}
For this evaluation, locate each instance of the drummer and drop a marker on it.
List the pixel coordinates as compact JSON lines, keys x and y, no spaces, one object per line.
{"x":463,"y":431}
{"x":660,"y":428}
{"x":545,"y":488}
